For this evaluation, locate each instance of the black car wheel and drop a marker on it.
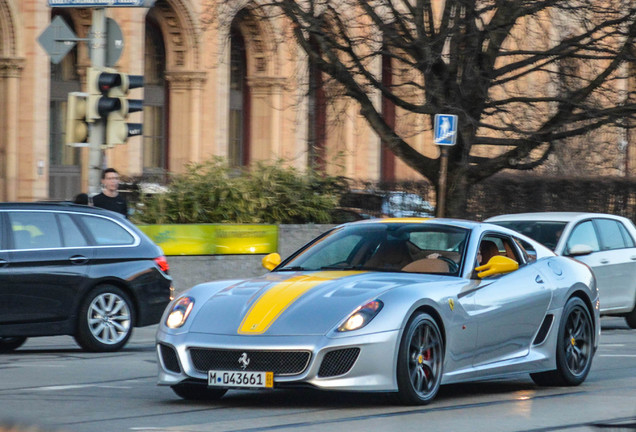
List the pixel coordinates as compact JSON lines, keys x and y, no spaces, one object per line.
{"x":420,"y":361}
{"x":575,"y":347}
{"x":8,"y":344}
{"x":106,"y":320}
{"x":191,"y":391}
{"x":631,"y":318}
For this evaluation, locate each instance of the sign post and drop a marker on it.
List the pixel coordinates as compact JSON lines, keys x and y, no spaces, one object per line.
{"x":97,"y":129}
{"x":445,"y":135}
{"x":105,"y":46}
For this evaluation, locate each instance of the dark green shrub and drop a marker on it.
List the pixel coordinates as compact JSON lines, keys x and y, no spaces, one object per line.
{"x":212,"y":192}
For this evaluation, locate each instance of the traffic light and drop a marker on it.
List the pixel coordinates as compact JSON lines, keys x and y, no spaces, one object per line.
{"x":107,"y":102}
{"x":76,"y":127}
{"x":117,"y":129}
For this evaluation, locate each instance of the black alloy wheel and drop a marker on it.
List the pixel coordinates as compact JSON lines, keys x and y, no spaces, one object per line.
{"x":575,"y":347}
{"x":420,"y":361}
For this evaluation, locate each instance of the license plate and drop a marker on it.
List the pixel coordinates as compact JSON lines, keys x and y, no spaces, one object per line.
{"x":240,"y":379}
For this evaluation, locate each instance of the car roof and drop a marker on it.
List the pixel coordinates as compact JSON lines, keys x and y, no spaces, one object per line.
{"x":550,"y":216}
{"x":460,"y":223}
{"x":54,"y":205}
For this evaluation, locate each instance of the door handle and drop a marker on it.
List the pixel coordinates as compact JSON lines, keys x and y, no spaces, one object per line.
{"x":538,"y":279}
{"x":604,"y":261}
{"x":633,"y":257}
{"x":3,"y":263}
{"x":78,"y":259}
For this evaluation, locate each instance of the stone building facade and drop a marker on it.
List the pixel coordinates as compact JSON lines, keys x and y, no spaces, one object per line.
{"x":219,"y":82}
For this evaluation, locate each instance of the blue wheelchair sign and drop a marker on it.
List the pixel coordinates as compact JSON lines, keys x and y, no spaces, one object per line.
{"x":445,"y":129}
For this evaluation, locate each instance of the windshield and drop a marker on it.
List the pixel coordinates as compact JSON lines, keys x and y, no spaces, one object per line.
{"x":413,"y":248}
{"x":545,"y":232}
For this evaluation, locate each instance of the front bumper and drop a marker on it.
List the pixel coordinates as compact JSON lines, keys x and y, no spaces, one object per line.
{"x":372,"y":370}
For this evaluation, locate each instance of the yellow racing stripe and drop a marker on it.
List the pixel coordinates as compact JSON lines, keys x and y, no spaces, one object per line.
{"x":277,"y":299}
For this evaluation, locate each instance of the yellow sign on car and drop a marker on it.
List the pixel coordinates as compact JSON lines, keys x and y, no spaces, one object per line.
{"x":212,"y":239}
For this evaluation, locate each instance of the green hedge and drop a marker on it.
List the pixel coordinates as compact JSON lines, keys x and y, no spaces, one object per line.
{"x":213,"y":192}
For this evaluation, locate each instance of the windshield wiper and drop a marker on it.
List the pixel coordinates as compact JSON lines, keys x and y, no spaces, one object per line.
{"x":340,"y":267}
{"x":292,"y":268}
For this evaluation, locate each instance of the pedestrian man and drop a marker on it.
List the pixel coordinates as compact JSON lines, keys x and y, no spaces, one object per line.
{"x":110,"y":198}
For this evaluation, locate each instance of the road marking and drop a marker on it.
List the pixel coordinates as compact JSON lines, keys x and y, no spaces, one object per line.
{"x":78,"y":386}
{"x":63,"y":387}
{"x":618,"y":355}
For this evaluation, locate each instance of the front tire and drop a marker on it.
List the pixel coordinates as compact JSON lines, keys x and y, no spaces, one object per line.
{"x":197,"y":392}
{"x":8,"y":344}
{"x":420,"y":361}
{"x":575,"y":347}
{"x":630,"y":318}
{"x":106,"y":319}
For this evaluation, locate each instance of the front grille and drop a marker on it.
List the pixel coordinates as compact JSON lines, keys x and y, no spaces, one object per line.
{"x":279,"y":362}
{"x":338,"y":362}
{"x":169,"y":358}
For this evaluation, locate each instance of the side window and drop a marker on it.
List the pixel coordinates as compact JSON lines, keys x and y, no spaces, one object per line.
{"x":629,"y":240}
{"x":495,"y":245}
{"x":106,"y":232}
{"x":34,"y":230}
{"x":584,"y":234}
{"x":528,"y":251}
{"x":610,"y":233}
{"x":71,"y":235}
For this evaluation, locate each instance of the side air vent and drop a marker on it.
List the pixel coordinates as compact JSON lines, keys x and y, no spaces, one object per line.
{"x":169,"y":358}
{"x":544,"y":330}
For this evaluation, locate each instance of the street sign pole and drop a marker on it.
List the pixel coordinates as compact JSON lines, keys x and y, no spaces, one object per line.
{"x":97,"y":129}
{"x":443,"y":172}
{"x":444,"y":135}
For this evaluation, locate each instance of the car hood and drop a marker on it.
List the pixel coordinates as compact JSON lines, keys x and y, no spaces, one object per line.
{"x":295,"y":303}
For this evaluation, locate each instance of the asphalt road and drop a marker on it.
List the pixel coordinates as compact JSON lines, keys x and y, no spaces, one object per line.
{"x":51,"y":385}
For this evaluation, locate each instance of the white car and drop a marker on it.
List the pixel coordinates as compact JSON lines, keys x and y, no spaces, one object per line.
{"x":605,"y":242}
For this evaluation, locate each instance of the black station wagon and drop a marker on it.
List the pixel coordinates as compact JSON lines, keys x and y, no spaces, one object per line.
{"x":69,"y":269}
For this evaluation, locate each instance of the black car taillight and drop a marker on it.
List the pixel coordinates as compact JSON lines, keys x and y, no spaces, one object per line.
{"x":162,"y":262}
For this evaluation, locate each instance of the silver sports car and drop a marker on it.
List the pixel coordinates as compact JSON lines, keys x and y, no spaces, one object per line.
{"x":391,"y":305}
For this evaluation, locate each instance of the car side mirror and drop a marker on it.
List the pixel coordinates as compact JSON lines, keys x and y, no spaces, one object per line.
{"x":579,"y":250}
{"x":271,"y":261}
{"x":498,"y":264}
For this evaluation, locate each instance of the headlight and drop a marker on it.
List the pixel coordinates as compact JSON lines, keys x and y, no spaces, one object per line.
{"x":180,"y":311}
{"x":361,"y":316}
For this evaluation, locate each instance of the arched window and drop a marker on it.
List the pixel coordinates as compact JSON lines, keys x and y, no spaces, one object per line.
{"x":316,"y":118}
{"x":155,"y":136}
{"x":387,"y":158}
{"x":238,"y":146}
{"x":64,"y":161}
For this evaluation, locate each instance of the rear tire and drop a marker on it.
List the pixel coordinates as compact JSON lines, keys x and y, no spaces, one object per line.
{"x":197,"y":392}
{"x":8,"y":343}
{"x":574,"y":350}
{"x":105,"y":320}
{"x":420,"y":361}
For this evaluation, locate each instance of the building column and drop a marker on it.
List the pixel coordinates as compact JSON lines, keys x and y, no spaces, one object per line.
{"x":10,"y":73}
{"x":266,"y":109}
{"x":184,"y":124}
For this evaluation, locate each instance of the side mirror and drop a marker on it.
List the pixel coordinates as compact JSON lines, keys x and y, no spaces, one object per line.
{"x":579,"y":250}
{"x":497,"y":265}
{"x":270,"y":261}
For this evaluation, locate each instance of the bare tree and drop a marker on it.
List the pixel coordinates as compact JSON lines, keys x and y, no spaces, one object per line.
{"x":523,"y":76}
